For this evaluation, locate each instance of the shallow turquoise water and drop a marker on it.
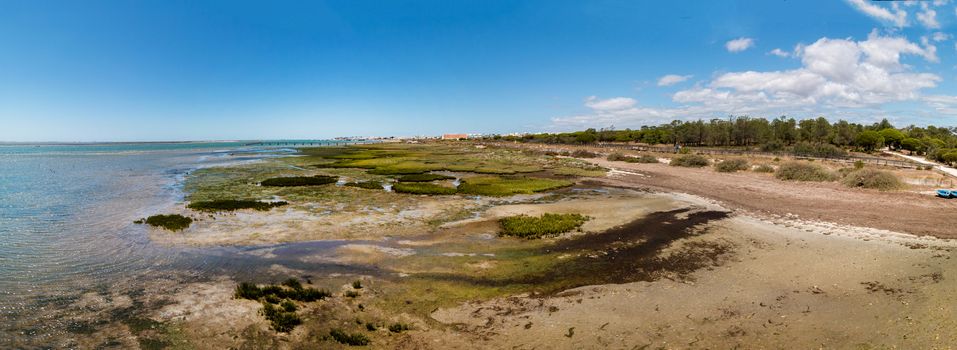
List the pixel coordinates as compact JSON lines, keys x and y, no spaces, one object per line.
{"x":66,"y":215}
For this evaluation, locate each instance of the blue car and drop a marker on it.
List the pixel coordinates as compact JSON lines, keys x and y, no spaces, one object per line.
{"x":946,"y":194}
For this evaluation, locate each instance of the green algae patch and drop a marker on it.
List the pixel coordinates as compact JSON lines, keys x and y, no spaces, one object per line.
{"x":531,"y":227}
{"x":295,"y":181}
{"x":220,"y":205}
{"x":405,"y":159}
{"x":172,"y":222}
{"x":422,"y":188}
{"x":502,"y":186}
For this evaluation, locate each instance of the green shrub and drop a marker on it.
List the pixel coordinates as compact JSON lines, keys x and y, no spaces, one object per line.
{"x":646,"y":159}
{"x":172,"y":222}
{"x":423,"y":178}
{"x":764,"y":168}
{"x":280,"y":320}
{"x":732,"y":165}
{"x":422,"y":188}
{"x":535,"y":227}
{"x":871,"y":178}
{"x":351,"y":294}
{"x":615,"y":156}
{"x":859,"y":164}
{"x":233,"y":204}
{"x":584,"y":154}
{"x":618,"y":157}
{"x":399,"y":327}
{"x":502,"y":186}
{"x":797,"y":171}
{"x":294,"y":181}
{"x":822,"y":150}
{"x":691,"y":161}
{"x":772,"y":146}
{"x":357,"y":284}
{"x":341,"y":337}
{"x":369,"y":185}
{"x":371,"y":327}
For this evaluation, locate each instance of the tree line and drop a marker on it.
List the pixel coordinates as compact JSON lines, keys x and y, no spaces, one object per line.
{"x":780,"y":134}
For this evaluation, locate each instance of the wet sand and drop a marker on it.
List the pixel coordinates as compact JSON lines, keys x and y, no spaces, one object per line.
{"x":779,"y":287}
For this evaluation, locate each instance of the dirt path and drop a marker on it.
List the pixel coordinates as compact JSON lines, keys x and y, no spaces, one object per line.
{"x":907,"y":212}
{"x":945,"y":169}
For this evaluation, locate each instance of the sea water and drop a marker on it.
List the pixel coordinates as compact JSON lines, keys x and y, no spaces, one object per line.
{"x":66,"y":224}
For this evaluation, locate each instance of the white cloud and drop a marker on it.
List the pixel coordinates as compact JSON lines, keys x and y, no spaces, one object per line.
{"x":611,"y":104}
{"x":739,"y":44}
{"x":895,"y":15}
{"x":779,"y":53}
{"x":941,"y":36}
{"x":836,"y":76}
{"x":672,"y":79}
{"x":928,"y":16}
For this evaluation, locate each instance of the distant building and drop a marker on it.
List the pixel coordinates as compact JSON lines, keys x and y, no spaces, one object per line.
{"x":455,"y":136}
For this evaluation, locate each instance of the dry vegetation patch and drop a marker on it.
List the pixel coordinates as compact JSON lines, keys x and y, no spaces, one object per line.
{"x":871,"y":178}
{"x":800,"y":171}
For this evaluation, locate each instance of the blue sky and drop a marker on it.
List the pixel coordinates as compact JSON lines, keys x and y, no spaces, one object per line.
{"x":192,"y":70}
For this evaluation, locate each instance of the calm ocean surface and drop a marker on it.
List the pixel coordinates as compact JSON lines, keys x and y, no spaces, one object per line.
{"x":66,"y":215}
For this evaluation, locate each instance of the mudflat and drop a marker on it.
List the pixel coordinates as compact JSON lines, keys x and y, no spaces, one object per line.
{"x":668,"y":257}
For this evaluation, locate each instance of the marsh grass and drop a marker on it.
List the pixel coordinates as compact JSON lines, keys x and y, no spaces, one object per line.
{"x":219,"y":205}
{"x":422,"y":188}
{"x":531,"y":227}
{"x":872,"y":178}
{"x":502,"y":186}
{"x":356,"y":339}
{"x":280,"y":319}
{"x":287,"y":290}
{"x":798,"y":171}
{"x":394,"y":160}
{"x":288,"y":306}
{"x":731,"y":165}
{"x":172,"y":222}
{"x":690,"y":161}
{"x":295,"y":181}
{"x":423,"y":178}
{"x":399,"y":327}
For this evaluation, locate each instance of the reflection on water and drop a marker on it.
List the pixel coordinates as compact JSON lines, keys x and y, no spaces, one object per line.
{"x":66,"y":227}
